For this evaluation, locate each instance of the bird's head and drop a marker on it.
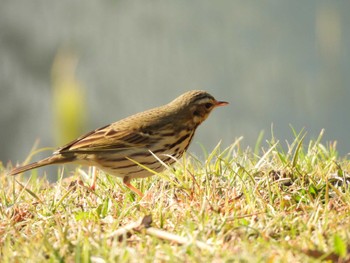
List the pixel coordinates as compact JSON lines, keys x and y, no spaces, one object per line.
{"x":196,"y":105}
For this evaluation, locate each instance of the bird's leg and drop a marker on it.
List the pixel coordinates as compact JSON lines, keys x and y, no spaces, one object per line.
{"x":126,"y":181}
{"x":94,"y":178}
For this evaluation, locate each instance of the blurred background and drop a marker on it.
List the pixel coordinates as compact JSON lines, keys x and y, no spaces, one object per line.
{"x":67,"y":67}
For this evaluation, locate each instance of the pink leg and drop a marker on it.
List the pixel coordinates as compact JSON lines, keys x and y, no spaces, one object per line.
{"x":126,"y":181}
{"x":94,"y":178}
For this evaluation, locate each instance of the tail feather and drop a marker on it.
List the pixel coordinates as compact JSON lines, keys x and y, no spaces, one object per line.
{"x":55,"y":159}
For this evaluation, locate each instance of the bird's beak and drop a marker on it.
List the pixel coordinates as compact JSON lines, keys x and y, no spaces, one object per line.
{"x":221,"y":103}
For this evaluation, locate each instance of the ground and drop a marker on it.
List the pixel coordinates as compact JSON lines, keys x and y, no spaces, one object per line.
{"x":277,"y":204}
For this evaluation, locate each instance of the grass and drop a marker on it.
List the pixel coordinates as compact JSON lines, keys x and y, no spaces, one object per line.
{"x":278,"y":204}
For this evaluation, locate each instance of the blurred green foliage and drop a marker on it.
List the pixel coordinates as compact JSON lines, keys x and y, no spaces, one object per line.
{"x":69,"y":107}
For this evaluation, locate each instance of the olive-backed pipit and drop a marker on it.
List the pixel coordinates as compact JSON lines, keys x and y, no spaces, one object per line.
{"x":147,"y":139}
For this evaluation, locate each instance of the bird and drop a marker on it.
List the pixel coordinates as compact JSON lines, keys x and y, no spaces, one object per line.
{"x":139,"y":145}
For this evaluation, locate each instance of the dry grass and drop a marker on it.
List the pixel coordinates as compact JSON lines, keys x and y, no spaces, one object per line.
{"x":274,"y":205}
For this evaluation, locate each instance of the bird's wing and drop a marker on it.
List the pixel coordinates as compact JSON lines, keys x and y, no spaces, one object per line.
{"x":108,"y":139}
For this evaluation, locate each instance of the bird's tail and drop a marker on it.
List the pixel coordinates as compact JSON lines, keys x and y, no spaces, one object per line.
{"x":55,"y":159}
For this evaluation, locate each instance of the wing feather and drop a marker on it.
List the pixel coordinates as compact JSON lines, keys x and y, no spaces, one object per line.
{"x":108,"y":139}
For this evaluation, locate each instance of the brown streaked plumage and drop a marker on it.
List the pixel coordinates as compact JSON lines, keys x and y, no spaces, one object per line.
{"x":163,"y":133}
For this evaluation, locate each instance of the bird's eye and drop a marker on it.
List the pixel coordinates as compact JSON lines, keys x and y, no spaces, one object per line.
{"x":208,"y":105}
